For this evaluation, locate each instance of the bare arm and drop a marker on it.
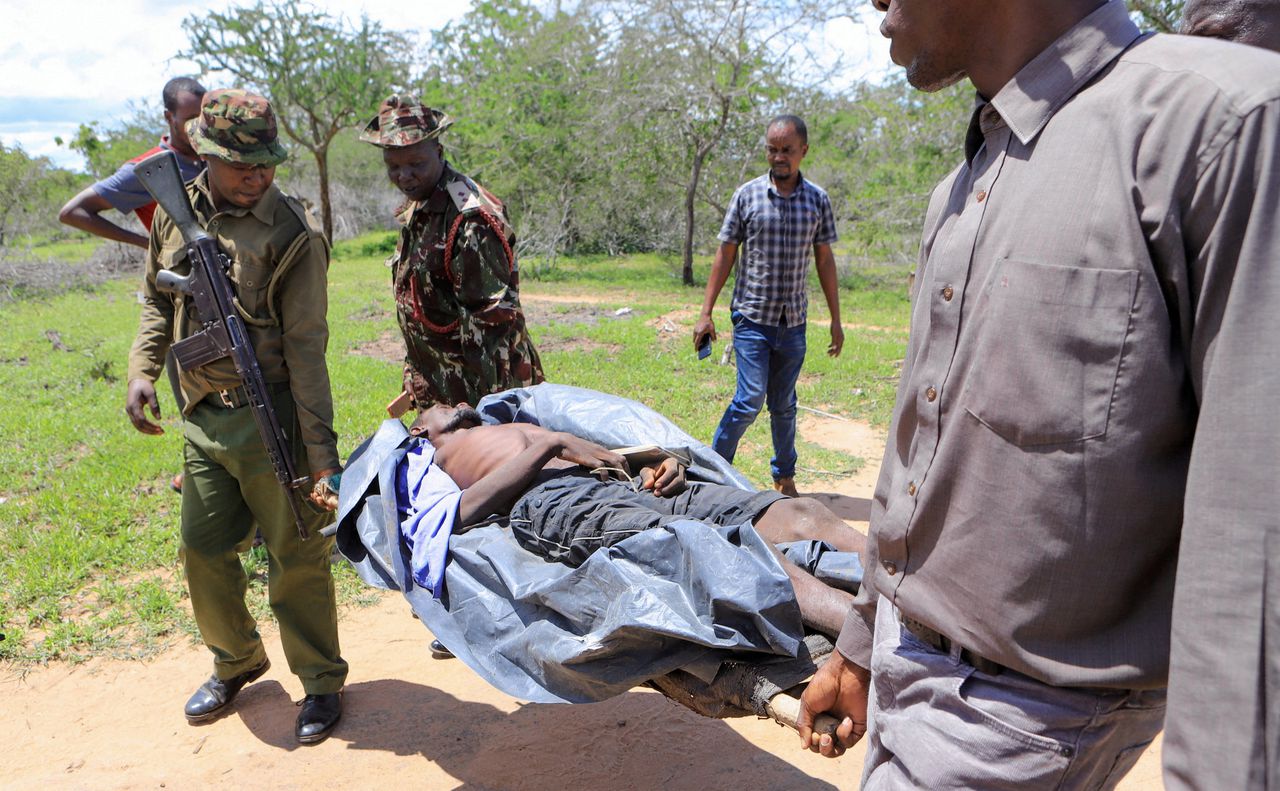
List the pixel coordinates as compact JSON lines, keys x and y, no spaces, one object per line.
{"x":826,"y":263}
{"x":720,"y":269}
{"x":494,"y":489}
{"x":84,"y":211}
{"x":496,"y":492}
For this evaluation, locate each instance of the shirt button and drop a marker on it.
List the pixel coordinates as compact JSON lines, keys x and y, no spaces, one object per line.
{"x":911,"y":488}
{"x":948,"y":293}
{"x":931,"y":394}
{"x":890,"y":567}
{"x":981,"y":196}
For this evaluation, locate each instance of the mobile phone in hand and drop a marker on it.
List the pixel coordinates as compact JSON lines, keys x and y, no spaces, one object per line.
{"x":704,"y":348}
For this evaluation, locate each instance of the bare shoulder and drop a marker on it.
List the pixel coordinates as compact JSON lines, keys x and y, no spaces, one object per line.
{"x":473,"y":453}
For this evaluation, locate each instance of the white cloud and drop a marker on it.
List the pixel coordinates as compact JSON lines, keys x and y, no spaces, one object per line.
{"x":105,"y":54}
{"x":106,"y":51}
{"x":40,"y":140}
{"x":860,"y":42}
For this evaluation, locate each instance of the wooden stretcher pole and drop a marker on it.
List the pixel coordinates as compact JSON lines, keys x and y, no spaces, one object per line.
{"x":785,"y":710}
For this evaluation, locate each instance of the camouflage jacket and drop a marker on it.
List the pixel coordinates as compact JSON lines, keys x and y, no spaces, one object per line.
{"x":457,"y":297}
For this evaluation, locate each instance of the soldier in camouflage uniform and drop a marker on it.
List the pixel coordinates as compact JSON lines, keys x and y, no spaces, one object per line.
{"x":454,"y":270}
{"x":279,"y":262}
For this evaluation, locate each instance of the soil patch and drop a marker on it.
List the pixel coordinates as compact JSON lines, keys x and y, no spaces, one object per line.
{"x":674,"y":322}
{"x":553,"y":343}
{"x":848,"y":497}
{"x":389,"y":347}
{"x":408,"y":719}
{"x":541,"y":314}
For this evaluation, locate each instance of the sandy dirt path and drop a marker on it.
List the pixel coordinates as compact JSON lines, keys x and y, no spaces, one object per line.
{"x":409,"y":719}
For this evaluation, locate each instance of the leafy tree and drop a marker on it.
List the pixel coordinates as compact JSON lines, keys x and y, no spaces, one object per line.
{"x":879,"y":151}
{"x":105,"y":149}
{"x":520,"y":84}
{"x":33,"y":188}
{"x":614,"y":126}
{"x":321,"y":73}
{"x":1159,"y":15}
{"x":711,"y":71}
{"x":360,"y":196}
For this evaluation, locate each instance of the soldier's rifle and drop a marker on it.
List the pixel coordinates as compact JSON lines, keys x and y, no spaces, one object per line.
{"x":223,"y":332}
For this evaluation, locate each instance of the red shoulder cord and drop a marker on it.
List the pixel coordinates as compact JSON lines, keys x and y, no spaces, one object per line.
{"x":453,"y":235}
{"x":493,"y":223}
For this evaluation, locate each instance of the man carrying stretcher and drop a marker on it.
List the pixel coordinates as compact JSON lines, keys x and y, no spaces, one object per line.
{"x":566,"y":497}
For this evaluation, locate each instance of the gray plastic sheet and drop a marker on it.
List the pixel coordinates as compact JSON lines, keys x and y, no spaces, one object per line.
{"x":684,"y":597}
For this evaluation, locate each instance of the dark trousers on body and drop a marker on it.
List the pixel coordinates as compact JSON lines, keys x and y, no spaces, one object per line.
{"x":570,"y":516}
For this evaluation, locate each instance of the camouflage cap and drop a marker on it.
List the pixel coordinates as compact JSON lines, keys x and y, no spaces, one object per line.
{"x":402,"y":121}
{"x":237,"y":126}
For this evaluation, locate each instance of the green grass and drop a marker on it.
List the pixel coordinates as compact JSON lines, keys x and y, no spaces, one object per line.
{"x":88,"y":522}
{"x":74,"y":249}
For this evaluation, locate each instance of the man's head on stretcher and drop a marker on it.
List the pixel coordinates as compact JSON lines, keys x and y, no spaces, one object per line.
{"x":495,"y":465}
{"x":440,"y":419}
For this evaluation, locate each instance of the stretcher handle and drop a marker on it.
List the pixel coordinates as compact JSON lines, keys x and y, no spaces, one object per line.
{"x":785,"y":710}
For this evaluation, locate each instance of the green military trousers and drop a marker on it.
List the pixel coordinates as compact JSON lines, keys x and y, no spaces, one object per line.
{"x":228,"y":486}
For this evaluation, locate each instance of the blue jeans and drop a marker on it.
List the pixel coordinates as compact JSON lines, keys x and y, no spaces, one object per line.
{"x":769,"y":360}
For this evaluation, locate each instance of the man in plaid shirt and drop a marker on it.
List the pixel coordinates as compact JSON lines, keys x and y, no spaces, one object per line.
{"x":776,"y":218}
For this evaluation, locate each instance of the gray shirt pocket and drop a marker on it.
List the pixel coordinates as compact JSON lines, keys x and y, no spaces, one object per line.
{"x":1048,"y":351}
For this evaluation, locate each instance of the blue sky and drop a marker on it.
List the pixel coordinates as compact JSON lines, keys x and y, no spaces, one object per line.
{"x":67,"y":62}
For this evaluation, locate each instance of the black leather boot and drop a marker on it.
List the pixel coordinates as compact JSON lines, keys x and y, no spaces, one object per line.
{"x":215,"y":695}
{"x":318,"y":716}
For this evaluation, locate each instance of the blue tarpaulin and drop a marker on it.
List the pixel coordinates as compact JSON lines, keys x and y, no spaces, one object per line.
{"x":684,"y":596}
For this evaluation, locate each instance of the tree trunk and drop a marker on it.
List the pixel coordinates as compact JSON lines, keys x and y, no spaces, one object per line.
{"x":690,"y":193}
{"x":326,"y":210}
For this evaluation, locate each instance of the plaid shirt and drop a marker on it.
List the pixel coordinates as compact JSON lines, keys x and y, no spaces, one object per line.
{"x":777,"y":234}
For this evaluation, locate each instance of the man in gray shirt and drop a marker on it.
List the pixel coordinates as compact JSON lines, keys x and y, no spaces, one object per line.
{"x":1093,"y":347}
{"x":1223,"y":723}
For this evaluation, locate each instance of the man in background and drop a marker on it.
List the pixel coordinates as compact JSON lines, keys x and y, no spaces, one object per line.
{"x":776,"y":219}
{"x":123,"y":192}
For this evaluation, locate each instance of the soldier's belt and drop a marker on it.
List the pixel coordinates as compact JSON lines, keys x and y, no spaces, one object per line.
{"x":238,"y":397}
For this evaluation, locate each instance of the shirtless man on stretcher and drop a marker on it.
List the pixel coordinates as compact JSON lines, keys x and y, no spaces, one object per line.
{"x":566,"y":497}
